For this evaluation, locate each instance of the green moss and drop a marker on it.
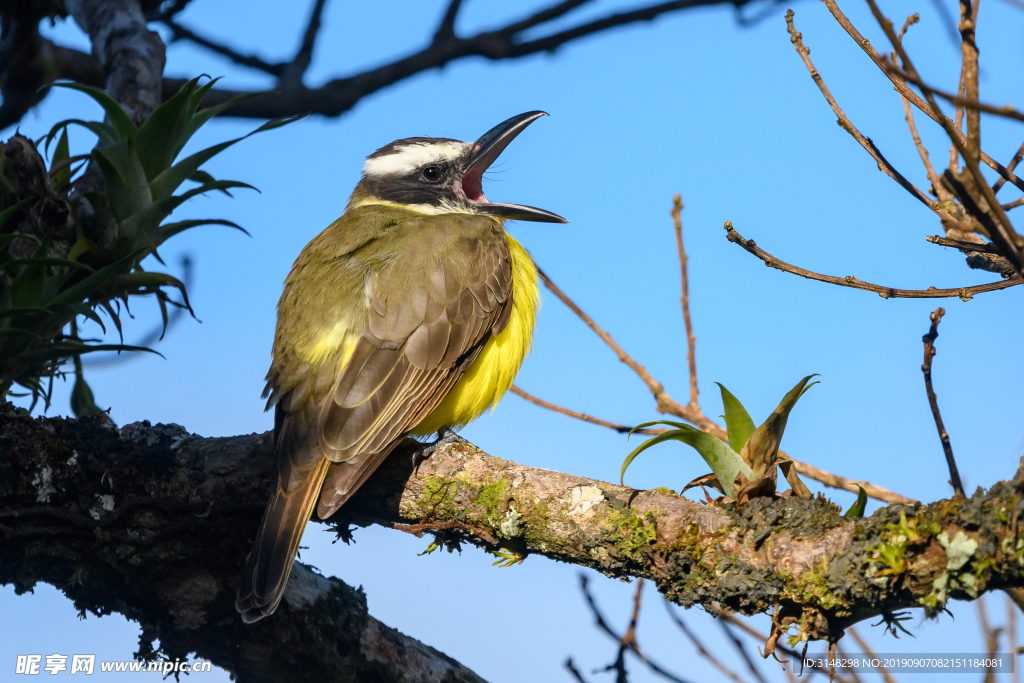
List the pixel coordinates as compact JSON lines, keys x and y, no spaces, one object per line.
{"x":437,"y":499}
{"x":493,"y":497}
{"x":665,"y":491}
{"x":635,"y":534}
{"x":815,"y":588}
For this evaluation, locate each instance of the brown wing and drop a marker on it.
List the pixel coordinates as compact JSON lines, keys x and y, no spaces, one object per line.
{"x":301,"y":470}
{"x":417,"y":344}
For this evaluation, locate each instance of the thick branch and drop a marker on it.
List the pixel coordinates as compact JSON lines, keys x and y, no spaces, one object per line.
{"x":123,"y":521}
{"x":341,"y":94}
{"x":120,"y":520}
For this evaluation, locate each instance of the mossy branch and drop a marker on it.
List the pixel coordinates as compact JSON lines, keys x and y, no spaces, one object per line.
{"x":118,"y":519}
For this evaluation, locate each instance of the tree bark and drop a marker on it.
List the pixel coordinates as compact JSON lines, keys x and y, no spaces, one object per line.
{"x":123,"y":520}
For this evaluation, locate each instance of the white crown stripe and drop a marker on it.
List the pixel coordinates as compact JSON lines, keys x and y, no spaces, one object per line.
{"x":408,"y":158}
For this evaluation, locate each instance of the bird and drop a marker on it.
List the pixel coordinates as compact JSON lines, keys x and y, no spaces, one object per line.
{"x":409,"y":315}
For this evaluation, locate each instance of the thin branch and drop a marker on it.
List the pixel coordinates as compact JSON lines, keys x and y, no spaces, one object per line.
{"x":963,"y":293}
{"x":886,"y":676}
{"x":179,"y":32}
{"x":619,"y":664}
{"x":1004,"y":236}
{"x":446,"y":30}
{"x":665,"y":403}
{"x":905,"y":90}
{"x":969,"y":68}
{"x":738,"y":644}
{"x":793,"y":655}
{"x":1011,"y":635}
{"x":926,"y":368}
{"x":701,"y":650}
{"x":991,"y":638}
{"x":303,"y":58}
{"x":621,"y":429}
{"x":998,"y":185}
{"x":684,"y":298}
{"x":570,"y":666}
{"x":908,"y":114}
{"x":1007,"y":110}
{"x":964,"y":246}
{"x":1013,"y":204}
{"x":827,"y":478}
{"x":844,"y":122}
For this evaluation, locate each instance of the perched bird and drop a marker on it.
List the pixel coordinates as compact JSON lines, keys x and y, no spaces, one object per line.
{"x":410,"y":314}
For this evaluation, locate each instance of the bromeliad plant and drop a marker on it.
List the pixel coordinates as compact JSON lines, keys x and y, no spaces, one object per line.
{"x":746,"y":466}
{"x":54,"y":273}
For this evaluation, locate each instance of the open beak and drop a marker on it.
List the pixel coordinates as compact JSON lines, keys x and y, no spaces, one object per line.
{"x":485,"y":150}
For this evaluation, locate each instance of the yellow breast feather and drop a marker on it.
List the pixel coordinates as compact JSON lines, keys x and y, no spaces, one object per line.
{"x":492,"y":373}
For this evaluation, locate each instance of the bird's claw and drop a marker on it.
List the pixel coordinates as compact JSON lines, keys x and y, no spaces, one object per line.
{"x":445,"y":436}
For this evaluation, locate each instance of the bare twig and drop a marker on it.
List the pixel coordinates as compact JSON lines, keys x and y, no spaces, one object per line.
{"x":621,"y":429}
{"x":908,"y":113}
{"x":962,"y":245}
{"x":827,"y":478}
{"x":905,"y":90}
{"x":744,"y":655}
{"x":969,"y":69}
{"x":974,"y":107}
{"x":573,"y":671}
{"x":794,"y":656}
{"x":1013,"y":204}
{"x":1010,"y":166}
{"x":701,"y":650}
{"x":446,"y":29}
{"x":1003,"y":234}
{"x":665,"y":403}
{"x":844,"y":122}
{"x":886,"y":676}
{"x":619,"y":664}
{"x":926,"y":368}
{"x":304,"y":56}
{"x":1011,"y":635}
{"x":684,"y":298}
{"x":991,"y":638}
{"x":963,"y":293}
{"x":179,"y":32}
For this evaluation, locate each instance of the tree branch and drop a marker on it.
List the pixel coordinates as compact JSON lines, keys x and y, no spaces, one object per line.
{"x":137,"y":508}
{"x":903,"y":89}
{"x":933,"y":401}
{"x":827,"y":478}
{"x":339,"y":95}
{"x":123,"y":521}
{"x":844,"y":122}
{"x":684,"y":298}
{"x":964,"y":293}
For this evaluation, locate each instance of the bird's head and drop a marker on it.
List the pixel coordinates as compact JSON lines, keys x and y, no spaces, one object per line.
{"x":439,"y":175}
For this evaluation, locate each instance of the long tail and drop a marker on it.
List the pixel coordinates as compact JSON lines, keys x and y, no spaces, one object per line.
{"x":277,"y":544}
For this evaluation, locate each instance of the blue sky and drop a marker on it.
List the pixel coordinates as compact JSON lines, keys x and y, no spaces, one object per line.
{"x":692,"y":103}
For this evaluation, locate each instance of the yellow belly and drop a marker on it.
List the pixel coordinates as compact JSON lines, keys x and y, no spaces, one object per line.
{"x":495,"y":368}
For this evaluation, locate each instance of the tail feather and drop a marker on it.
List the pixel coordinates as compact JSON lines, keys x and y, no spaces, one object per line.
{"x":277,"y":544}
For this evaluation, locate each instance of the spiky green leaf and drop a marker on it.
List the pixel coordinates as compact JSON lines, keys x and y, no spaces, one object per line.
{"x":857,"y":509}
{"x":119,"y":119}
{"x":737,"y":420}
{"x":762,"y":448}
{"x":724,"y":461}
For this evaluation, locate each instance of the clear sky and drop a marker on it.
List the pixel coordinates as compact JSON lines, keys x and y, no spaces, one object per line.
{"x":694,"y":103}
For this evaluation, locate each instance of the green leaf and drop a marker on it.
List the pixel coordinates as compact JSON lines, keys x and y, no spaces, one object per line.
{"x":148,"y":220}
{"x":170,"y":229}
{"x":644,"y":425}
{"x":47,"y":261}
{"x":201,"y":117}
{"x":737,"y":421}
{"x":106,"y":134}
{"x":168,"y":181}
{"x":762,"y":448}
{"x":857,"y":509}
{"x":82,"y":290}
{"x":724,"y":461}
{"x":27,"y":287}
{"x":126,"y":186}
{"x":119,"y":119}
{"x":63,"y":176}
{"x":156,"y":140}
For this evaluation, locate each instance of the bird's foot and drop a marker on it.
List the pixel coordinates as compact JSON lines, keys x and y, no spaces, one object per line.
{"x":445,"y":436}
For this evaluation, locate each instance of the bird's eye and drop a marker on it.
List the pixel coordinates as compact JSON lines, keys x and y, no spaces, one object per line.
{"x":431,"y":173}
